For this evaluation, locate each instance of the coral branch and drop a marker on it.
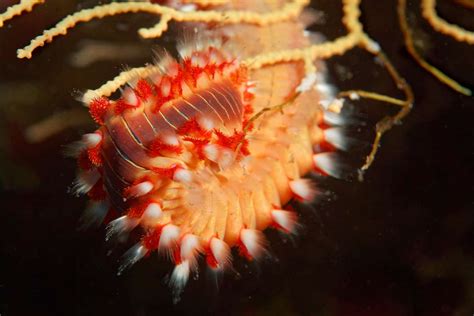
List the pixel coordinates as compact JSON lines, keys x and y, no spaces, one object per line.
{"x":289,"y":11}
{"x":24,"y":5}
{"x":111,"y":86}
{"x":419,"y":59}
{"x":428,"y":8}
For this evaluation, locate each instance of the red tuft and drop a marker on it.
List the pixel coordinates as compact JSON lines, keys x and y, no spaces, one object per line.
{"x":211,"y":260}
{"x":190,"y":73}
{"x":191,"y":128}
{"x":97,"y":193}
{"x":83,"y":161}
{"x":232,"y":141}
{"x":177,"y":255}
{"x":239,"y":76}
{"x":95,"y":155}
{"x":121,"y":106}
{"x":248,"y":96}
{"x":152,"y":239}
{"x":98,"y":108}
{"x":165,"y":172}
{"x":156,"y":148}
{"x":143,"y":89}
{"x":198,"y":145}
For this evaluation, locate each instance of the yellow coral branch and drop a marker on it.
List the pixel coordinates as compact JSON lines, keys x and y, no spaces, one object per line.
{"x":419,"y":59}
{"x":288,"y":11}
{"x":112,"y":85}
{"x":24,"y":5}
{"x":428,"y":8}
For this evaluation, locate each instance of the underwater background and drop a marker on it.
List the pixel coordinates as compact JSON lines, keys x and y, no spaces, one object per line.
{"x":399,"y":243}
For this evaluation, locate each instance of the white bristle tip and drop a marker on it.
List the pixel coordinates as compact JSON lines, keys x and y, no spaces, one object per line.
{"x":221,"y":251}
{"x":182,"y":175}
{"x":92,"y":139}
{"x":335,"y":137}
{"x":190,"y":246}
{"x":253,"y":241}
{"x":133,"y":255}
{"x":130,"y":97}
{"x":326,"y":163}
{"x":85,"y":181}
{"x":169,"y":236}
{"x":141,"y":189}
{"x":285,"y":220}
{"x":307,"y":83}
{"x":332,"y":118}
{"x":152,"y":213}
{"x":303,"y":189}
{"x":226,"y":158}
{"x":170,"y":139}
{"x":211,"y":152}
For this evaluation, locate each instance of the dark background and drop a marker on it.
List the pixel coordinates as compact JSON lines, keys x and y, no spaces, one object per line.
{"x":399,"y":243}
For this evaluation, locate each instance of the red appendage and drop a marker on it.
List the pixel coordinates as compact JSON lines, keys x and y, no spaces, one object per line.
{"x":98,"y":108}
{"x":156,"y":148}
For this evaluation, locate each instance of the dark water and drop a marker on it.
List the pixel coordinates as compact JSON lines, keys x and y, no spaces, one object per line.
{"x":399,"y":243}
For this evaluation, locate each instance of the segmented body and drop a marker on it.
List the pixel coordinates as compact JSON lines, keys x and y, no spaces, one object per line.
{"x":180,"y":156}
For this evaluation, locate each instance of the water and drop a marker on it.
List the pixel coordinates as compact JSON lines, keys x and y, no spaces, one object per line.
{"x":399,"y":243}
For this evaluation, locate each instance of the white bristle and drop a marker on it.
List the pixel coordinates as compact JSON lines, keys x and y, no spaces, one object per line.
{"x":165,"y":88}
{"x":325,"y":89}
{"x":211,"y":152}
{"x":170,"y":139}
{"x":120,"y":226}
{"x":285,"y":220}
{"x":253,"y":241}
{"x":169,"y":236}
{"x":94,"y":214}
{"x":85,"y":181}
{"x":327,"y":162}
{"x":332,"y":118}
{"x":205,"y":122}
{"x":226,"y":158}
{"x":190,"y":246}
{"x":303,"y":189}
{"x":140,"y":189}
{"x":221,"y":252}
{"x":130,"y":97}
{"x":152,"y":214}
{"x":335,"y":137}
{"x":307,"y":83}
{"x":92,"y":139}
{"x":132,"y":256}
{"x":179,"y":278}
{"x":182,"y":175}
{"x":252,"y":89}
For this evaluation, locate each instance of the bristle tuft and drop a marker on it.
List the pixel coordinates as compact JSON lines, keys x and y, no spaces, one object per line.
{"x":98,"y":108}
{"x":335,"y":137}
{"x":284,"y":220}
{"x":132,"y":256}
{"x":253,"y":243}
{"x":303,"y":189}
